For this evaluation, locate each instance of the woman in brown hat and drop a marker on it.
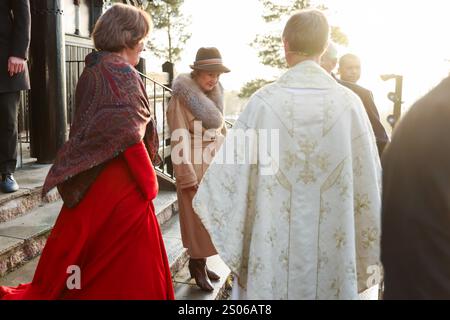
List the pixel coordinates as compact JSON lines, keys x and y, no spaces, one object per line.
{"x":195,"y":119}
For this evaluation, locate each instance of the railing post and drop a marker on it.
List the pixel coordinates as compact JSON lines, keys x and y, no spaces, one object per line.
{"x":141,"y":66}
{"x":168,"y":67}
{"x":395,"y":97}
{"x":166,"y":167}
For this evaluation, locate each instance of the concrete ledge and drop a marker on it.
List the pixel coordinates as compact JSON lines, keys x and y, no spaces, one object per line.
{"x":186,"y":289}
{"x":24,"y":238}
{"x":166,"y":204}
{"x":25,"y":201}
{"x":23,"y":275}
{"x":176,"y":254}
{"x":28,"y":197}
{"x":21,"y":252}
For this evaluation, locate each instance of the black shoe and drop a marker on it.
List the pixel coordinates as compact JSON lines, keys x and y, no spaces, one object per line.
{"x":8,"y":183}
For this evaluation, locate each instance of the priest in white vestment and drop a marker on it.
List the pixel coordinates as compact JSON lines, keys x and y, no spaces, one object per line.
{"x":292,"y":199}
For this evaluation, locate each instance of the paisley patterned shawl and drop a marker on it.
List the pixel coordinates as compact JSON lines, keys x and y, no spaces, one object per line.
{"x":111,"y":114}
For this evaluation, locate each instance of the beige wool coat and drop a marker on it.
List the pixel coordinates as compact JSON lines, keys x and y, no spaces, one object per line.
{"x":202,"y":144}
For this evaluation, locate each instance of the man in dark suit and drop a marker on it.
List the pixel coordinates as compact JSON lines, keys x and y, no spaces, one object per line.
{"x":415,"y":240}
{"x":328,"y":62}
{"x":349,"y":68}
{"x":369,"y":104}
{"x":15,"y":30}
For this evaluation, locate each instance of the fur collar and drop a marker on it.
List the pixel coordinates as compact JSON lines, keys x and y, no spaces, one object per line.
{"x":207,"y":107}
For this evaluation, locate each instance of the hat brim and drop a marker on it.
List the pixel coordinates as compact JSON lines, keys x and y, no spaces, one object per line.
{"x":211,"y":67}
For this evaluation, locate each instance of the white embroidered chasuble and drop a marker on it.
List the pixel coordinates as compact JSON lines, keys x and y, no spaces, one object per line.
{"x":311,"y":229}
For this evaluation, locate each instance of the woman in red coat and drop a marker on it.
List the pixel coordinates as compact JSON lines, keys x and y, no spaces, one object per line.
{"x":106,"y":243}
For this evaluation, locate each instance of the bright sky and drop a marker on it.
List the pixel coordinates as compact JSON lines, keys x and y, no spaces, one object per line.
{"x":409,"y":37}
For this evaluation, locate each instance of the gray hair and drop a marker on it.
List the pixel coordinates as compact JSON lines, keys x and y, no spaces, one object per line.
{"x":331,"y":52}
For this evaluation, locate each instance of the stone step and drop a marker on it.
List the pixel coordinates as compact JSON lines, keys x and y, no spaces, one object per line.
{"x":24,"y":274}
{"x":28,"y":197}
{"x":186,"y":289}
{"x":166,"y":204}
{"x":23,"y":238}
{"x":31,"y":179}
{"x":176,"y":254}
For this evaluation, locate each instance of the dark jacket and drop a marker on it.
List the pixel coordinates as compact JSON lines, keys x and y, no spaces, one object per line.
{"x":415,"y":241}
{"x":15,"y":30}
{"x":374,"y":117}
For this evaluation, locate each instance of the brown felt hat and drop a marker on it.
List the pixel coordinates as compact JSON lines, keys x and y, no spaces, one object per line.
{"x":209,"y":59}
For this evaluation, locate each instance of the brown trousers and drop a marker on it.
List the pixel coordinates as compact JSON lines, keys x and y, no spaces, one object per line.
{"x":193,"y":233}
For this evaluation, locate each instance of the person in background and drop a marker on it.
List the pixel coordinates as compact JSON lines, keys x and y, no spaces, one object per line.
{"x":15,"y":31}
{"x":195,"y":119}
{"x":350,"y":68}
{"x":328,"y":62}
{"x":415,"y":242}
{"x":329,"y":59}
{"x":106,"y":243}
{"x":299,"y":217}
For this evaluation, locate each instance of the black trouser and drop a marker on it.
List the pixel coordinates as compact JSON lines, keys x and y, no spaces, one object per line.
{"x":9,"y":106}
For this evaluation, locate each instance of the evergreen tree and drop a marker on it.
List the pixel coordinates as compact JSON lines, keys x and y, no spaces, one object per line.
{"x":270,"y":47}
{"x":168,"y":18}
{"x":250,"y":87}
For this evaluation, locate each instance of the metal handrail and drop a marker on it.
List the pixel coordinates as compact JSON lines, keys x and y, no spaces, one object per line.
{"x":229,"y":124}
{"x":154,"y":81}
{"x":165,"y":168}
